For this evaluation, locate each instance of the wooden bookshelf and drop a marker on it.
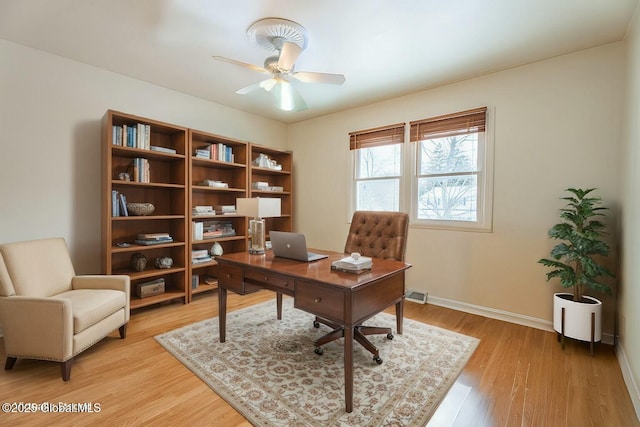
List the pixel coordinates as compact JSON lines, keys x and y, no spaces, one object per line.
{"x":175,"y":184}
{"x":165,"y":186}
{"x":275,"y":177}
{"x":227,"y":165}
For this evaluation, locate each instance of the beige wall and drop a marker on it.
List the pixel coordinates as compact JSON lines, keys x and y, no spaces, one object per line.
{"x":50,"y":112}
{"x":557,"y":123}
{"x":629,"y":301}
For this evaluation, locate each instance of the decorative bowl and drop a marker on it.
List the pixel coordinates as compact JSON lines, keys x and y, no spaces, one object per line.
{"x":140,"y":208}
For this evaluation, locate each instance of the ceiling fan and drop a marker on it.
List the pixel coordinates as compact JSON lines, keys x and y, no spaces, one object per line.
{"x":285,"y":40}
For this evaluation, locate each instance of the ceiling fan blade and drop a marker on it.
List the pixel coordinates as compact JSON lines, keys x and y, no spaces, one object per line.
{"x":242,"y":64}
{"x":310,"y":77}
{"x":287,"y":97}
{"x":288,"y":56}
{"x":260,"y":85}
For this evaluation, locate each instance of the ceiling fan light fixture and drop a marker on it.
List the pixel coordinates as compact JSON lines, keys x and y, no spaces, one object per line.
{"x":265,"y":31}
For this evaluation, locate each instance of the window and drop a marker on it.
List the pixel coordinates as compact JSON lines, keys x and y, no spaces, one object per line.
{"x":377,"y":168}
{"x":449,"y":170}
{"x":452,"y":179}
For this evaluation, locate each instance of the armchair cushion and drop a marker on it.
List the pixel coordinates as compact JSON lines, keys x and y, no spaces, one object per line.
{"x":89,"y":306}
{"x":39,"y":268}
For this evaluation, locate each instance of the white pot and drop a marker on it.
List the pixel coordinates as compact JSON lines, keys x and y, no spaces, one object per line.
{"x":577,"y":317}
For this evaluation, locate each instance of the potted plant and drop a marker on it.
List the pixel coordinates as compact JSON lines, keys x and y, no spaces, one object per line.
{"x":575,"y":262}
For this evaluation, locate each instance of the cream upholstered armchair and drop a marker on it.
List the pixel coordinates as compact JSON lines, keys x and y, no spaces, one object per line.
{"x":49,"y":313}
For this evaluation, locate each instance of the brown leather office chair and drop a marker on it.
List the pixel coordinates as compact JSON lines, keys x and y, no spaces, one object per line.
{"x":378,"y":235}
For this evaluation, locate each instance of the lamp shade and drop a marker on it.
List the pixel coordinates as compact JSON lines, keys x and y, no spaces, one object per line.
{"x":258,"y":207}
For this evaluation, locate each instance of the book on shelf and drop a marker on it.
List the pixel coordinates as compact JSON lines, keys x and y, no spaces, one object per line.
{"x":213,"y":183}
{"x":154,"y":236}
{"x":198,"y":256}
{"x":198,"y":229}
{"x":202,"y":154}
{"x":140,"y":170}
{"x":221,"y":152}
{"x":226,"y":209}
{"x":216,"y":229}
{"x":203,"y":210}
{"x":150,"y":242}
{"x":162,"y":149}
{"x":132,"y":136}
{"x":123,"y":205}
{"x":118,"y":204}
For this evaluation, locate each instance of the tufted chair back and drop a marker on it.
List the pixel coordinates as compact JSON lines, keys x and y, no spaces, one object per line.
{"x":378,"y":234}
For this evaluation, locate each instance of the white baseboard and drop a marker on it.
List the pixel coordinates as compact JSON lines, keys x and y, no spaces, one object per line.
{"x":506,"y":316}
{"x":632,"y":386}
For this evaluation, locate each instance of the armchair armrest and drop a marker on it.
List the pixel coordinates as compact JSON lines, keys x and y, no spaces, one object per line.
{"x":116,"y":282}
{"x":40,"y":327}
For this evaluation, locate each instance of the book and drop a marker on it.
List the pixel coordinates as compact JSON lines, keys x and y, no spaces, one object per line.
{"x":123,"y":205}
{"x":162,"y":149}
{"x":149,"y":242}
{"x":154,"y":236}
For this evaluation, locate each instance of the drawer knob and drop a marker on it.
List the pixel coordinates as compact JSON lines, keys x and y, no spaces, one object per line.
{"x":228,"y":275}
{"x":317,"y":299}
{"x":266,"y":279}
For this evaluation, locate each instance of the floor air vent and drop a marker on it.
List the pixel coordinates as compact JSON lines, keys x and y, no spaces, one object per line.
{"x":416,"y":296}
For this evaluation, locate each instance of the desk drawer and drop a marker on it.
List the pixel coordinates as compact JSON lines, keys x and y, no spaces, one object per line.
{"x":272,"y":281}
{"x":230,"y":277}
{"x":320,"y":300}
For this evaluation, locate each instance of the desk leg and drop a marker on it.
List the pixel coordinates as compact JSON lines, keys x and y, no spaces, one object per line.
{"x":399,"y":316}
{"x":348,"y":368}
{"x":279,"y":304}
{"x":222,"y":312}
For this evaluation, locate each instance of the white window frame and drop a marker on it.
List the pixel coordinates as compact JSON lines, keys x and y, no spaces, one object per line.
{"x":355,"y":180}
{"x":484,"y":222}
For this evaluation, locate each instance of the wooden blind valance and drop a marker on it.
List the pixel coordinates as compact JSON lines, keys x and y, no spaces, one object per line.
{"x":385,"y":135}
{"x":464,"y":122}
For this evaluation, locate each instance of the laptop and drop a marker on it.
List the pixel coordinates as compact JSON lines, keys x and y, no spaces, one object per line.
{"x":292,"y":245}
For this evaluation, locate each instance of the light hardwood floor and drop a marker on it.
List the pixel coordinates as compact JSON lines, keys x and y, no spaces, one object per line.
{"x":518,"y":376}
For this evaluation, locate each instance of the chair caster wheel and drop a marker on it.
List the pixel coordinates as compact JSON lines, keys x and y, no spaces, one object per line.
{"x":316,"y":324}
{"x":377,"y":359}
{"x":389,"y":336}
{"x":318,"y":351}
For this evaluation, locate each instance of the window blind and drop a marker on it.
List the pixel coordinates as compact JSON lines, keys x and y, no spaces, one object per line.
{"x":461,"y":123}
{"x":385,"y":135}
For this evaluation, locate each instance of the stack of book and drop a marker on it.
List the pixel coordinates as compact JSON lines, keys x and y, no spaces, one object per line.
{"x":351,"y":264}
{"x":212,"y":183}
{"x":202,"y":154}
{"x":264,"y":186}
{"x":148,"y":239}
{"x":199,"y":256}
{"x":203,"y":210}
{"x":216,"y":229}
{"x":226,"y":209}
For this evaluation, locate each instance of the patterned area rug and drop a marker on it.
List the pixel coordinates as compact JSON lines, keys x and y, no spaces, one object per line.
{"x":269,"y":372}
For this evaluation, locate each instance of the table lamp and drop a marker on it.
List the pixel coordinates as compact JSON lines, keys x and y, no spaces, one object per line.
{"x":258,"y":208}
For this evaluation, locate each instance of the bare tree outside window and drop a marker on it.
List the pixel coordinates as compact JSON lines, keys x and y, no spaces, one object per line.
{"x":378,"y":172}
{"x":448,"y":175}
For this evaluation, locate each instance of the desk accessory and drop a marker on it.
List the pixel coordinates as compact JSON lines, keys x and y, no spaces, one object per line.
{"x":258,"y":208}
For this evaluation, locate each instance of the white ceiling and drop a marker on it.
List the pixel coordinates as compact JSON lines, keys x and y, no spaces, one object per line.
{"x":384,"y":48}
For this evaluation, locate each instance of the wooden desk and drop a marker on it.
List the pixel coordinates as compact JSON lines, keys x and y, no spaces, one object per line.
{"x":344,"y":298}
